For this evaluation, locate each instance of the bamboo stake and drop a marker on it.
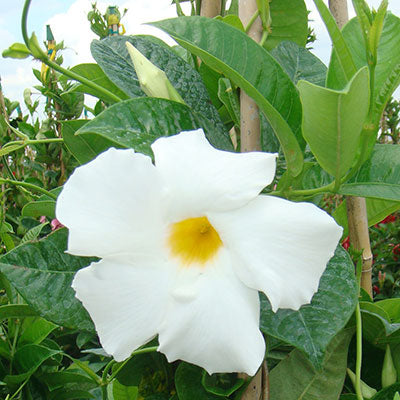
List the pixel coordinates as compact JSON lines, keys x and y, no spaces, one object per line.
{"x":210,"y":8}
{"x":356,"y":206}
{"x":250,"y":140}
{"x":339,"y":11}
{"x":250,"y":134}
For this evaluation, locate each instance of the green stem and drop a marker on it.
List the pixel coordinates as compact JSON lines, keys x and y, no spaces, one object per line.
{"x":359,"y":352}
{"x":251,"y":22}
{"x":223,"y":6}
{"x":140,"y":351}
{"x":307,"y":192}
{"x":57,"y":67}
{"x":29,"y":186}
{"x":19,"y":389}
{"x":104,"y":393}
{"x":263,"y":38}
{"x":34,"y":141}
{"x":105,"y":372}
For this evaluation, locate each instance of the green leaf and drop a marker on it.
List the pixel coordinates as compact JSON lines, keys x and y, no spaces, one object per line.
{"x":42,"y":273}
{"x":16,"y":311}
{"x":38,"y":208}
{"x":137,"y":123}
{"x":333,"y":120}
{"x":376,"y":190}
{"x":16,"y":50}
{"x":27,"y":360}
{"x":83,"y":148}
{"x":295,"y":378}
{"x":299,"y":63}
{"x":188,"y":384}
{"x":95,"y":74}
{"x":60,"y":379}
{"x":346,"y":66}
{"x":382,"y":168}
{"x":112,"y":56}
{"x":387,"y":393}
{"x":35,"y":330}
{"x":229,"y":98}
{"x":33,"y":233}
{"x":377,"y":328}
{"x":388,"y":60}
{"x":121,"y":392}
{"x":221,"y":384}
{"x":392,"y":307}
{"x":68,"y":394}
{"x":313,"y":326}
{"x":289,"y":21}
{"x":263,"y":79}
{"x":9,"y":149}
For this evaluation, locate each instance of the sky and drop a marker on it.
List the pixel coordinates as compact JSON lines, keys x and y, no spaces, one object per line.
{"x":68,"y":20}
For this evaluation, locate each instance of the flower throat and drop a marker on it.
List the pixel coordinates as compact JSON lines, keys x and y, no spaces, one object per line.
{"x":194,"y":240}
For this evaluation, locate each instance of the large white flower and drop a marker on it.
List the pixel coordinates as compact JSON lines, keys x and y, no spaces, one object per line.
{"x":185,"y":246}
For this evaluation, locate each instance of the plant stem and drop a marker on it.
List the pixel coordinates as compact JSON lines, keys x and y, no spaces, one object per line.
{"x":140,"y":351}
{"x":29,"y":186}
{"x":251,"y":21}
{"x":28,"y":142}
{"x":359,"y":352}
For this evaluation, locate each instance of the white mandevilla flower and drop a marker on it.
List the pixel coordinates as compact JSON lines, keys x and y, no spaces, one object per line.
{"x":185,"y":246}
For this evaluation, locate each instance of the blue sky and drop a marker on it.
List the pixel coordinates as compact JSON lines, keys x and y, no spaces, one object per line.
{"x":69,"y":23}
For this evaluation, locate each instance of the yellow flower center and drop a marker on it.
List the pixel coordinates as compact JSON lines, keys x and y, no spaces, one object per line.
{"x":194,"y":240}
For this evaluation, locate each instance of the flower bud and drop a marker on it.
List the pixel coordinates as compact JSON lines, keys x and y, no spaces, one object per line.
{"x":35,"y":48}
{"x":153,"y":80}
{"x":396,"y":396}
{"x":389,"y":373}
{"x":367,"y":391}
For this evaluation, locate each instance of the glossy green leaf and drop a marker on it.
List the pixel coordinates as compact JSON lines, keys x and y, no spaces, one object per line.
{"x":377,"y":328}
{"x":121,"y":392}
{"x":392,"y":307}
{"x":221,"y":384}
{"x":38,"y":208}
{"x":33,"y":233}
{"x":95,"y":74}
{"x":289,"y":21}
{"x":313,"y":326}
{"x":60,"y":379}
{"x":188,"y":384}
{"x":28,"y":359}
{"x":346,"y":65}
{"x":387,"y":393}
{"x":9,"y":149}
{"x":112,"y":56}
{"x":83,"y":148}
{"x":68,"y":394}
{"x":16,"y":50}
{"x":387,"y":72}
{"x":42,"y":273}
{"x":382,"y":168}
{"x":137,"y":123}
{"x":16,"y":311}
{"x":375,"y":190}
{"x":300,"y":64}
{"x":263,"y":79}
{"x":333,"y":120}
{"x":295,"y":378}
{"x":35,"y":330}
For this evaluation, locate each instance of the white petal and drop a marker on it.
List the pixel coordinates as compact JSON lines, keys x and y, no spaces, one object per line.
{"x":202,"y":178}
{"x":281,"y":248}
{"x":112,"y":204}
{"x":126,"y":302}
{"x":213,"y":321}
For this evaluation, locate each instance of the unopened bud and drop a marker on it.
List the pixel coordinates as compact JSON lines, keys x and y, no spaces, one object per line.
{"x":367,"y":391}
{"x":153,"y":80}
{"x":389,"y":373}
{"x":35,"y":48}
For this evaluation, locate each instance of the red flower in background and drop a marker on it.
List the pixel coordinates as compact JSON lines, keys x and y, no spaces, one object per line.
{"x":346,"y":243}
